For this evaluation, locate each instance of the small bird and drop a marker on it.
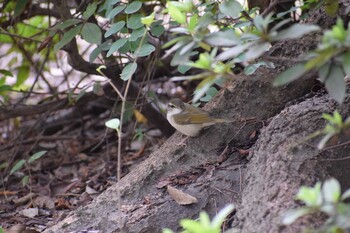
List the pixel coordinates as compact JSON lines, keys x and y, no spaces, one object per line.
{"x":188,"y":119}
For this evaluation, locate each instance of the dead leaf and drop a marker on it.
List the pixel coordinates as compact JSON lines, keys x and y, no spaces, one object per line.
{"x":180,"y":197}
{"x":90,"y":190}
{"x":18,"y":228}
{"x":30,"y":212}
{"x":44,"y":202}
{"x":62,"y":204}
{"x":24,"y":199}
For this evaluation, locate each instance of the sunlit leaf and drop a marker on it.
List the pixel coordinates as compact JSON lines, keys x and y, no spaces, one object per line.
{"x":113,"y":123}
{"x":36,"y":156}
{"x":148,"y":20}
{"x":133,"y":7}
{"x":22,"y":75}
{"x":221,"y":216}
{"x":17,"y":166}
{"x":176,"y":14}
{"x":290,"y":75}
{"x":311,"y":196}
{"x":128,"y":71}
{"x":6,"y":72}
{"x":91,"y":33}
{"x":331,"y":190}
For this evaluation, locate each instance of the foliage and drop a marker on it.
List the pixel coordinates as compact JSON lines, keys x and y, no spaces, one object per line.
{"x":331,"y":60}
{"x":326,"y":199}
{"x":204,"y":225}
{"x":19,"y":165}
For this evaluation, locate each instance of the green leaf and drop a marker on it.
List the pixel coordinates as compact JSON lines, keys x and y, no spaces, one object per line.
{"x":335,"y":84}
{"x":128,"y":71}
{"x":205,"y":20}
{"x":116,"y":46}
{"x":17,"y":166}
{"x":67,"y":37}
{"x":4,"y":165}
{"x":233,"y":52}
{"x":157,"y":30}
{"x":345,"y":195}
{"x":165,"y":230}
{"x":226,"y":38}
{"x":6,"y":73}
{"x":331,"y":190}
{"x":113,"y":123}
{"x":94,"y":54}
{"x":91,"y":33}
{"x":22,"y":75}
{"x":250,"y":69}
{"x":133,"y":7}
{"x":36,"y":156}
{"x":176,"y":14}
{"x":222,"y":215}
{"x":134,"y":21}
{"x":346,"y":63}
{"x":19,"y":8}
{"x":209,"y":94}
{"x":145,"y":50}
{"x":25,"y":180}
{"x":115,"y":11}
{"x":312,"y":197}
{"x":204,"y":219}
{"x":90,"y":10}
{"x":115,"y":28}
{"x":137,"y":34}
{"x":148,"y":20}
{"x":323,"y":72}
{"x":290,"y":75}
{"x":291,"y":215}
{"x":202,"y":87}
{"x":331,"y":7}
{"x":67,"y":23}
{"x":230,"y":8}
{"x":295,"y":31}
{"x":5,"y":88}
{"x":256,"y":51}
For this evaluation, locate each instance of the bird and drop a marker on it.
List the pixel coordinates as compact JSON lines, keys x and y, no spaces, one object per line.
{"x":188,"y":119}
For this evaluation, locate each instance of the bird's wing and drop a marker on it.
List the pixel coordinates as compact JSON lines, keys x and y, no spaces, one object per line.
{"x":197,"y":117}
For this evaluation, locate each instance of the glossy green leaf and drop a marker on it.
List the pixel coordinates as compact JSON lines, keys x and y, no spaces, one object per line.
{"x":128,"y":71}
{"x":113,"y":123}
{"x":335,"y":84}
{"x":115,"y":28}
{"x":67,"y":37}
{"x":290,"y":75}
{"x":295,"y":31}
{"x":19,"y":8}
{"x":311,"y":196}
{"x":116,"y":46}
{"x":230,"y":8}
{"x":133,"y":7}
{"x":134,"y":21}
{"x":91,"y":33}
{"x":17,"y":166}
{"x":36,"y":156}
{"x":115,"y":11}
{"x":90,"y":10}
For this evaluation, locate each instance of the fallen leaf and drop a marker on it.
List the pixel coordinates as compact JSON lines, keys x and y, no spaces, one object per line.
{"x":180,"y":197}
{"x":24,"y":199}
{"x":30,"y":212}
{"x":44,"y":202}
{"x":90,"y":190}
{"x":62,"y":204}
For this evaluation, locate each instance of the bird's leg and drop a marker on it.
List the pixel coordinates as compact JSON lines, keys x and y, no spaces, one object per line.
{"x":182,"y":143}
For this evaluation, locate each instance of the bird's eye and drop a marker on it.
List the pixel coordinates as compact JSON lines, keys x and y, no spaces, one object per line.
{"x":171,"y":106}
